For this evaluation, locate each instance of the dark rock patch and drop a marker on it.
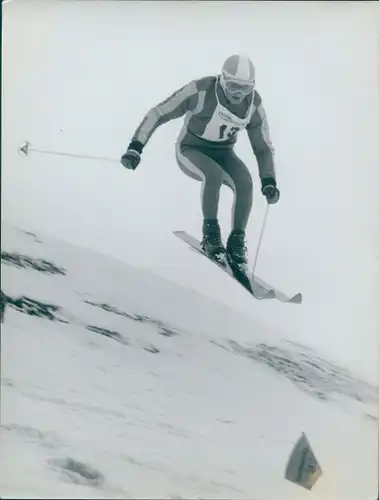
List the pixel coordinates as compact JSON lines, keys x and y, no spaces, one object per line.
{"x":3,"y":303}
{"x":24,"y":261}
{"x":167,"y":332}
{"x":78,"y":472}
{"x":29,"y":233}
{"x":32,"y":435}
{"x":26,"y":431}
{"x":152,"y":349}
{"x":34,"y":307}
{"x":310,"y":373}
{"x":111,"y":309}
{"x":32,"y":235}
{"x":108,"y":333}
{"x":163,"y":329}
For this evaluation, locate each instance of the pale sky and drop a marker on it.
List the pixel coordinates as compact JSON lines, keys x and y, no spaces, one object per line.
{"x":79,"y":76}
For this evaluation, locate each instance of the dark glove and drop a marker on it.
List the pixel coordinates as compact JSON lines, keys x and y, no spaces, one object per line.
{"x":270,"y":191}
{"x":132,"y":157}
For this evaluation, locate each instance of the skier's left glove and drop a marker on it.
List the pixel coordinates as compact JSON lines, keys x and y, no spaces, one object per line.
{"x":270,"y":191}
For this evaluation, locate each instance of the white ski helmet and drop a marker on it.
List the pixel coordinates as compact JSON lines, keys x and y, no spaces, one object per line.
{"x":237,"y":78}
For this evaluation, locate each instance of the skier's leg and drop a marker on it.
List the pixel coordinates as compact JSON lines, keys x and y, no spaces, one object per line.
{"x":240,"y":181}
{"x":201,"y":167}
{"x":198,"y":165}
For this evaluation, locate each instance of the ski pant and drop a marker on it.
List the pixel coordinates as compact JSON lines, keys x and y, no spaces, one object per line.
{"x":214,"y":168}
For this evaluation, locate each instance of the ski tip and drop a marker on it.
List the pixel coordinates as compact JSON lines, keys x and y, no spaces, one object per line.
{"x":296,"y":299}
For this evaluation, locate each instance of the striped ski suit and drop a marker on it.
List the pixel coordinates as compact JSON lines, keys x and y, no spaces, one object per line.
{"x":205,"y":146}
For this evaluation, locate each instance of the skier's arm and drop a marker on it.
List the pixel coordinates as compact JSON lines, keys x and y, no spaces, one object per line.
{"x":260,"y":140}
{"x":175,"y":106}
{"x":259,"y":135}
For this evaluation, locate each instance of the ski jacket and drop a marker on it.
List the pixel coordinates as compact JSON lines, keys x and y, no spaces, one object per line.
{"x":211,"y":121}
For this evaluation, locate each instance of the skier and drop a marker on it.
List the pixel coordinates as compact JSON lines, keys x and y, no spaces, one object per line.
{"x":216,"y":108}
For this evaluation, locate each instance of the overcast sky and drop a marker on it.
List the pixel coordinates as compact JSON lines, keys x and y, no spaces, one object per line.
{"x":79,"y":76}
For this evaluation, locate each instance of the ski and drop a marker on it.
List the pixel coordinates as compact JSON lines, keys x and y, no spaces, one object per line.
{"x":257,"y":287}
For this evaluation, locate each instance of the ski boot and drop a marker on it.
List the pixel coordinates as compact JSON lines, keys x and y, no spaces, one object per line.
{"x":212,"y":242}
{"x":237,"y":251}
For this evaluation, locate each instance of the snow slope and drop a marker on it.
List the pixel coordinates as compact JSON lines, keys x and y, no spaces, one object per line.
{"x":117,"y":383}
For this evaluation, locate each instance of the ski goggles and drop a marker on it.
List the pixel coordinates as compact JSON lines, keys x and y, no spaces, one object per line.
{"x":234,"y":87}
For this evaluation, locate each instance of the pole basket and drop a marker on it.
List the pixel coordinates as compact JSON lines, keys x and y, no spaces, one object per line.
{"x":23,"y":148}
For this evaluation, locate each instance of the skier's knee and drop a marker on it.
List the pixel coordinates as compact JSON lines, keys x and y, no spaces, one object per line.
{"x":214,"y":178}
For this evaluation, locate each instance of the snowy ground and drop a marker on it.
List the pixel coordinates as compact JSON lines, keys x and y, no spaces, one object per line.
{"x":119,"y":384}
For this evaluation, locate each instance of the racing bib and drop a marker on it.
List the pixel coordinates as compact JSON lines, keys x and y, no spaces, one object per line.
{"x":225,"y":125}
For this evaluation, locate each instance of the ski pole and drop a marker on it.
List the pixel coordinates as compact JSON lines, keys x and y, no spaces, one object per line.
{"x":25,"y":148}
{"x":261,"y":237}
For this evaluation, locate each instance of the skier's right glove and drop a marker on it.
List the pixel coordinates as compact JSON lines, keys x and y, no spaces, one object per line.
{"x":270,"y":191}
{"x":132,"y":157}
